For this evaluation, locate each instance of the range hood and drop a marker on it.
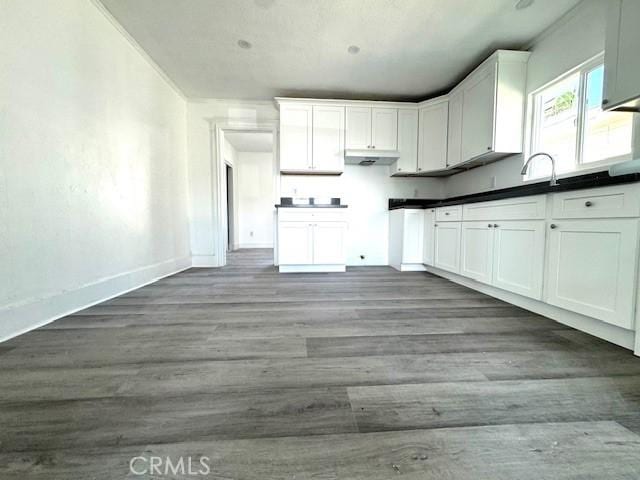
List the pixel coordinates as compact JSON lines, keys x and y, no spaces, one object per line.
{"x":370,"y":157}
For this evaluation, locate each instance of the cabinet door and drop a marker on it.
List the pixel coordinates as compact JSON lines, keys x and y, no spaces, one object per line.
{"x":454,"y":130}
{"x":413,"y":236}
{"x":428,"y":238}
{"x":518,"y":263}
{"x":478,"y":109}
{"x":477,"y":251}
{"x":622,"y":69}
{"x":295,"y":243}
{"x":384,"y":128}
{"x":329,"y":242}
{"x":328,"y":138}
{"x":358,"y":135}
{"x":295,"y":138}
{"x":432,"y":140}
{"x":407,"y":142}
{"x":447,"y":246}
{"x":592,"y":268}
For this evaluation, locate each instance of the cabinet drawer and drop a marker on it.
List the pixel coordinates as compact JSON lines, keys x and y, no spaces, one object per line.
{"x":312,"y":214}
{"x":449,"y":214}
{"x":522,"y":208}
{"x":609,"y":202}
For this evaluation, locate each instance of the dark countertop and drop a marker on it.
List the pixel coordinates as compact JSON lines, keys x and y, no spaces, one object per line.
{"x":287,"y":202}
{"x":590,"y":180}
{"x":279,"y":205}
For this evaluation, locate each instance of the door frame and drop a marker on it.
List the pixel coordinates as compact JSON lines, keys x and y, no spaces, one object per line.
{"x":218,"y":166}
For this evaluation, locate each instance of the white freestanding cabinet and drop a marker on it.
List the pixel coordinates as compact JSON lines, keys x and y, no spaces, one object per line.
{"x":432,"y":138}
{"x":406,"y":230}
{"x":371,"y":128}
{"x":429,"y":236}
{"x":295,"y":137}
{"x":447,"y":246}
{"x":328,"y":138}
{"x":312,"y":239}
{"x":621,"y":65}
{"x":592,"y":268}
{"x":407,"y":142}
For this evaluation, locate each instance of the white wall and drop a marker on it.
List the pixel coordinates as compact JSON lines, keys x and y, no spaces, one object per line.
{"x":572,"y":40}
{"x":255,"y":205}
{"x":201,"y":115}
{"x":93,"y":174}
{"x":366,"y":190}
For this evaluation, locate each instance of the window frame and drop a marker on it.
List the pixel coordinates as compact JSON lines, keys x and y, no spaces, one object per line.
{"x":533,"y":131}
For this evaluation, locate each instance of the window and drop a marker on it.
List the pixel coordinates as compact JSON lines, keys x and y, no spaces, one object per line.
{"x":568,"y":123}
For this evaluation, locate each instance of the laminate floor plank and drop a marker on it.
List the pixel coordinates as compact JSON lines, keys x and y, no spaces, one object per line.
{"x":441,"y":405}
{"x":367,"y":374}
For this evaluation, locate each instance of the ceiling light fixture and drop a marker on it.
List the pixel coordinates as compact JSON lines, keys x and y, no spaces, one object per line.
{"x":522,"y":4}
{"x":244,"y":44}
{"x":353,"y":49}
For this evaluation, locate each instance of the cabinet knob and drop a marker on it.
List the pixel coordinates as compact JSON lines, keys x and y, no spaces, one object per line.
{"x":605,"y":101}
{"x":553,"y":226}
{"x":488,"y":148}
{"x":419,"y":169}
{"x":399,"y":169}
{"x":588,"y":203}
{"x":489,"y":225}
{"x":446,"y":213}
{"x":495,"y":225}
{"x":373,"y":146}
{"x":435,"y":224}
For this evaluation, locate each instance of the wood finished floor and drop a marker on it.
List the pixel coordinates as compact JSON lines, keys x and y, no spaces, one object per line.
{"x":369,"y":374}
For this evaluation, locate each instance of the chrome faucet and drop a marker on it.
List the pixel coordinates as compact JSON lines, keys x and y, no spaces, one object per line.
{"x":554,"y":181}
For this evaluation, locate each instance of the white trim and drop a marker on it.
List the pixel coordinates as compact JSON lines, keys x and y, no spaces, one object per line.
{"x":219,"y":187}
{"x":531,"y":127}
{"x":611,"y":333}
{"x":118,"y":26}
{"x":409,"y":267}
{"x":253,"y":245}
{"x":345,"y":103}
{"x":18,"y":319}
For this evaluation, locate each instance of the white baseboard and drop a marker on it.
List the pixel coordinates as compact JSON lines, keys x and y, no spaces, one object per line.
{"x":611,"y":333}
{"x":204,"y":261}
{"x":311,"y":268}
{"x":410,"y":267}
{"x":18,"y":319}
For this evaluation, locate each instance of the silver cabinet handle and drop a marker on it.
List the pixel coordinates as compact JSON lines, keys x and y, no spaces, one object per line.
{"x":553,"y":226}
{"x":588,"y":203}
{"x":489,"y":225}
{"x":495,"y":225}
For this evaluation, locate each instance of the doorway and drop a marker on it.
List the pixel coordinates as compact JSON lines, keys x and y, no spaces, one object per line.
{"x":249,"y":188}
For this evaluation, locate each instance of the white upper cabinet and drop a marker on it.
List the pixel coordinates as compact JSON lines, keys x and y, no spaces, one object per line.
{"x":295,"y":138}
{"x":432,"y":138}
{"x":384,"y":128}
{"x":372,"y":128}
{"x":328,"y":138}
{"x":358,"y":127}
{"x":311,"y":138}
{"x":407,"y":142}
{"x":486,"y":119}
{"x":454,"y":130}
{"x":478,"y":113}
{"x":621,"y":65}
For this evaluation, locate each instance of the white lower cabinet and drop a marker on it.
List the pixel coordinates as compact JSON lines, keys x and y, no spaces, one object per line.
{"x":592,"y":268}
{"x":329,"y":243}
{"x":312,"y":240}
{"x":295,"y":240}
{"x":477,"y":251}
{"x":507,"y":255}
{"x":447,"y":246}
{"x":518,"y":257}
{"x":428,"y":249}
{"x":406,"y":227}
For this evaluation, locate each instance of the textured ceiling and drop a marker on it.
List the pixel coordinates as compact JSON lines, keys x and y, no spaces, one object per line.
{"x":409,"y":49}
{"x":250,"y":141}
